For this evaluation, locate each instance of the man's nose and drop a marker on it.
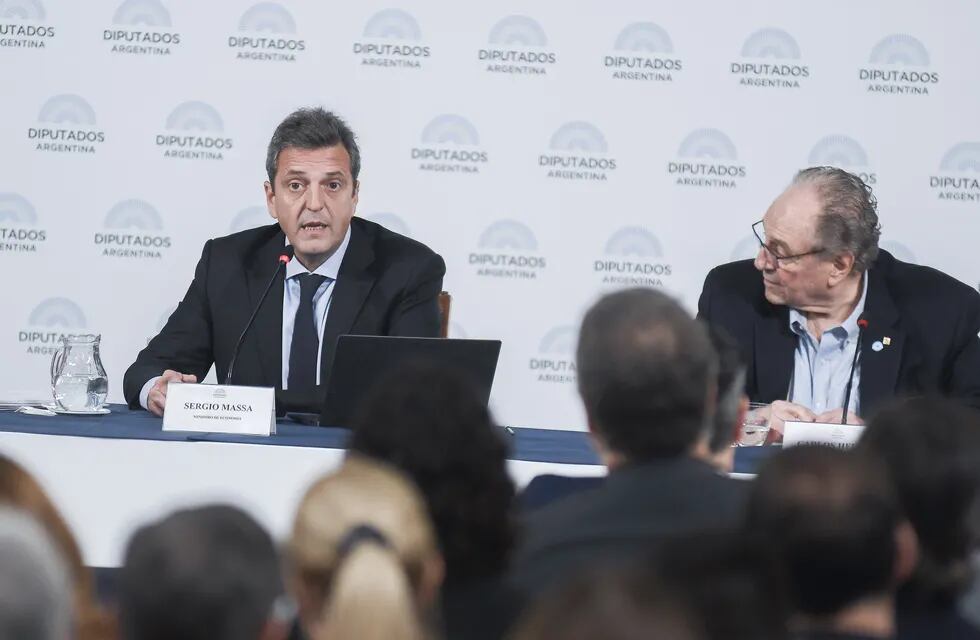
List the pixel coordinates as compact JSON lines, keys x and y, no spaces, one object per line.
{"x":314,"y":199}
{"x":763,"y":261}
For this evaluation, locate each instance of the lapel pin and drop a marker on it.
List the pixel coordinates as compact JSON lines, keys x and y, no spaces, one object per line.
{"x":877,"y":346}
{"x":886,"y":341}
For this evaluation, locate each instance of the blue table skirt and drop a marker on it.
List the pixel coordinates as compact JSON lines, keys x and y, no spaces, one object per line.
{"x":532,"y":445}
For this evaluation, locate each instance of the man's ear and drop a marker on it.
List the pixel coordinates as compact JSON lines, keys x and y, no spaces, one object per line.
{"x":906,"y":553}
{"x":843,"y":267}
{"x":609,"y":458}
{"x":433,"y":575}
{"x":357,"y":191}
{"x":270,"y":200}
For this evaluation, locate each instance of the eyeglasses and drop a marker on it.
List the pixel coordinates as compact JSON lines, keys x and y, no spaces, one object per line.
{"x":760,"y":235}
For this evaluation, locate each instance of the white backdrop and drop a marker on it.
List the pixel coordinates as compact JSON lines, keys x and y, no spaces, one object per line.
{"x":548,"y":150}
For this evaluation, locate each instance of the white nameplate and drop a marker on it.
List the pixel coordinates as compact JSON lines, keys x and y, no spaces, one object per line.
{"x":219,"y":408}
{"x":843,"y":436}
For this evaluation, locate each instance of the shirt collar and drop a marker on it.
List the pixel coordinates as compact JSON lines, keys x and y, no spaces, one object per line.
{"x":330,"y":267}
{"x":797,"y":321}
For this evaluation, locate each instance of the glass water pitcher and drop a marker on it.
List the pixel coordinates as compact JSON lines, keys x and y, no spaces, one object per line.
{"x":78,"y":379}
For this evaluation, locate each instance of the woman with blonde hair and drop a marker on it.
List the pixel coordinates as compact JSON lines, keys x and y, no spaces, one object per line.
{"x":362,"y":561}
{"x":19,"y":489}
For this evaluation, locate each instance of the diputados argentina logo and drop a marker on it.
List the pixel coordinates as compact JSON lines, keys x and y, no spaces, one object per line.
{"x":133,"y":229}
{"x":267,"y":32}
{"x":392,"y":38}
{"x":517,"y":45}
{"x":450,"y":144}
{"x":19,"y":228}
{"x":771,"y":59}
{"x":50,"y":321}
{"x":250,"y":218}
{"x":958,"y":178}
{"x":844,"y":152}
{"x":23,"y":25}
{"x":578,"y":151}
{"x":507,"y":249}
{"x":643,"y":51}
{"x":707,"y":159}
{"x":633,"y":257}
{"x":899,"y":64}
{"x":391,"y":222}
{"x":194,"y":131}
{"x":66,"y":124}
{"x":555,"y":361}
{"x":141,"y":27}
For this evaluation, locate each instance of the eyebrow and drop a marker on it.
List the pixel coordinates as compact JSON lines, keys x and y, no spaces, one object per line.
{"x":778,"y":244}
{"x":331,"y":174}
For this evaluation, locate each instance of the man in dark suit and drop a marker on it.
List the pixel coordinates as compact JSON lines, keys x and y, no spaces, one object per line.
{"x":647,"y":377}
{"x":798,"y":308}
{"x":348,"y":276}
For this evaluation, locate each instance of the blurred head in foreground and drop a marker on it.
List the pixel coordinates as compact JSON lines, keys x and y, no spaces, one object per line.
{"x":210,"y":573}
{"x":362,"y":560}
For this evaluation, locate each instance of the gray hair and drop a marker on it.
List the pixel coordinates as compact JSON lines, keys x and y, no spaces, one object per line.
{"x":35,"y":589}
{"x":849,"y":219}
{"x":311,"y":128}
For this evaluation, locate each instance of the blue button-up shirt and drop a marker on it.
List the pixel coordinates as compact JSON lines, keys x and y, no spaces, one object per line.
{"x":821,"y":369}
{"x":321,"y":302}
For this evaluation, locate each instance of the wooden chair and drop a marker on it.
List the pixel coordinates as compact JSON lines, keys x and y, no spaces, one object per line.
{"x":445,"y":302}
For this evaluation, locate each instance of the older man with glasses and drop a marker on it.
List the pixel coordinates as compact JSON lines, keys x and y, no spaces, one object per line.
{"x":831,"y":324}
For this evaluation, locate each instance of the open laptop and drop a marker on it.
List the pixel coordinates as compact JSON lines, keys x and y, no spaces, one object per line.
{"x":360,"y":361}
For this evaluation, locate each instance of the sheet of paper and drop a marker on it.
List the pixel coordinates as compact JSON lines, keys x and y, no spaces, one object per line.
{"x":834,"y":435}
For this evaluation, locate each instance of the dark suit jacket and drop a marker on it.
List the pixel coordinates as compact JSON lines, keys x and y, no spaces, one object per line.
{"x":479,"y":609}
{"x":931,"y":623}
{"x":931,"y":318}
{"x":547,"y":488}
{"x":387,"y":285}
{"x":624,"y":519}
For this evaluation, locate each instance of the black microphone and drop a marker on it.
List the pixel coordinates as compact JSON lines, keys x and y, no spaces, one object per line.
{"x":284,"y":258}
{"x":862,"y":325}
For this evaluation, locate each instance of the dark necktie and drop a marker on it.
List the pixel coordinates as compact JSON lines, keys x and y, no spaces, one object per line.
{"x":306,"y":344}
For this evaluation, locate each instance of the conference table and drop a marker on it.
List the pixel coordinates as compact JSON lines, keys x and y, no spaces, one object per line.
{"x":109,"y":474}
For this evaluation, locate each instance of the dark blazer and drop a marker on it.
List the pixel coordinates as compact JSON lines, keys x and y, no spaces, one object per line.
{"x":387,"y":285}
{"x":929,"y":623}
{"x":931,"y":319}
{"x":547,"y":488}
{"x":624,"y":519}
{"x":479,"y":609}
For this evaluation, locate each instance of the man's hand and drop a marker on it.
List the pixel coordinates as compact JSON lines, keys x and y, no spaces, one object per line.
{"x":779,"y":412}
{"x":834,"y":417}
{"x":156,"y":400}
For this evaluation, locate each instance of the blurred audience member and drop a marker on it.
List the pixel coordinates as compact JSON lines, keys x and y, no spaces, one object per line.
{"x":931,"y":447}
{"x":647,"y":374}
{"x":833,"y":528}
{"x":209,"y":573}
{"x":19,"y":489}
{"x":35,"y":585}
{"x":714,"y":447}
{"x":363,"y":561}
{"x":725,"y":581}
{"x":430,"y":422}
{"x":610,"y":605}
